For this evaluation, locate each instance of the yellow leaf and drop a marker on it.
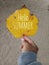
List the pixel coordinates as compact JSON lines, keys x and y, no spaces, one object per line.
{"x":22,"y":22}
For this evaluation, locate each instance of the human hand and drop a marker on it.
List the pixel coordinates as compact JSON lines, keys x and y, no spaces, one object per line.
{"x":28,"y":45}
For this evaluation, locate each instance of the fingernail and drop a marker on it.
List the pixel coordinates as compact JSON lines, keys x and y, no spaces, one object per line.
{"x":22,"y":39}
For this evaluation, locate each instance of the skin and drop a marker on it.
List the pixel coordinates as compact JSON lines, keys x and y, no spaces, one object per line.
{"x":28,"y":45}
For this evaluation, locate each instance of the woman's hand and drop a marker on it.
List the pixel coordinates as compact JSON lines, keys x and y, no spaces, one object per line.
{"x":28,"y":45}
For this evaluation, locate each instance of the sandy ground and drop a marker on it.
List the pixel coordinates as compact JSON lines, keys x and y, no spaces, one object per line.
{"x":9,"y":45}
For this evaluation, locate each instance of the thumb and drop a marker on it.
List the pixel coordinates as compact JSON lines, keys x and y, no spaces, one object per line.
{"x":22,"y":40}
{"x":22,"y":43}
